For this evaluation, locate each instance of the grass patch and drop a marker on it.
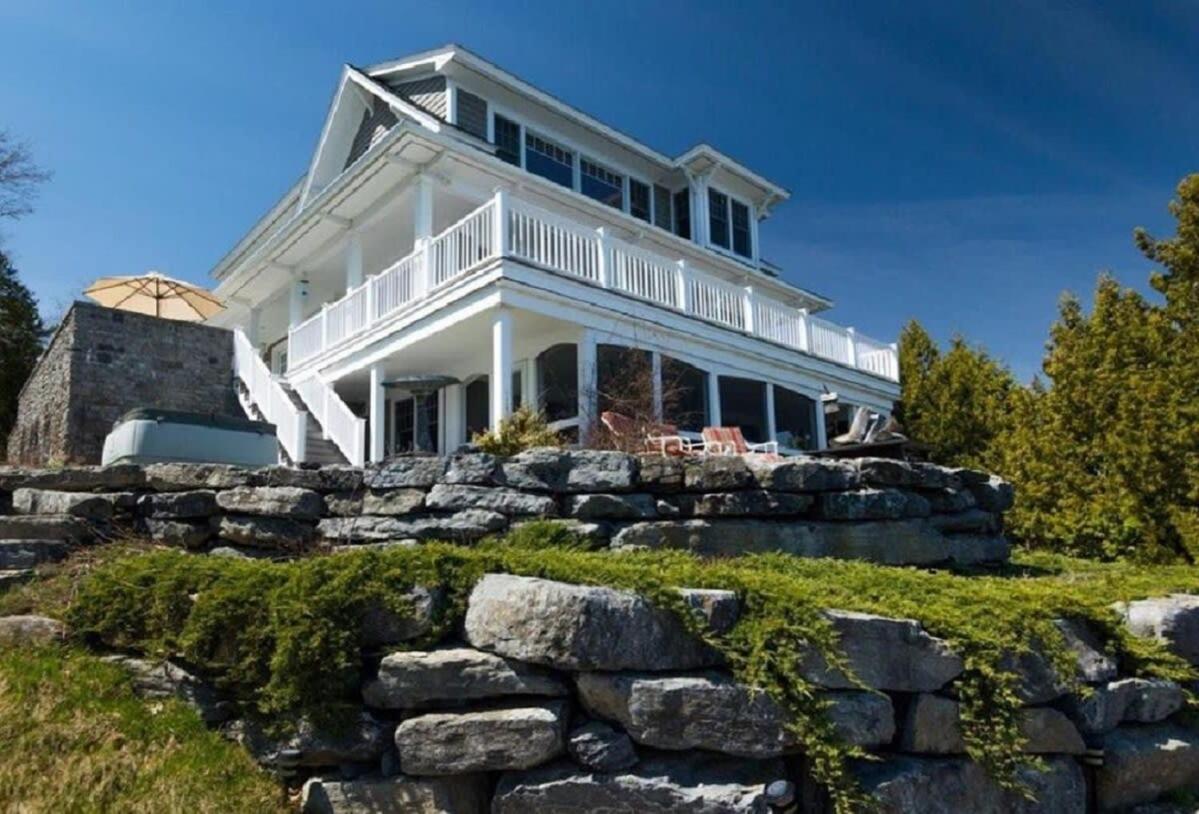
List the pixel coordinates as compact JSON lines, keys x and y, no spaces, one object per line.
{"x":77,"y":739}
{"x":283,"y":637}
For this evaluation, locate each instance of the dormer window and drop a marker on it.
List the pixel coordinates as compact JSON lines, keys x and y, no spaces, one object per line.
{"x":718,"y":218}
{"x":544,"y":158}
{"x":601,"y":183}
{"x":742,"y":239}
{"x":639,"y":200}
{"x":507,"y":140}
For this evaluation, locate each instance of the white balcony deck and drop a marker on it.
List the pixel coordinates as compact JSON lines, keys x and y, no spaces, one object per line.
{"x":506,"y":227}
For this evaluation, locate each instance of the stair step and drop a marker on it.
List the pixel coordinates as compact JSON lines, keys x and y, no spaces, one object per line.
{"x":318,"y":449}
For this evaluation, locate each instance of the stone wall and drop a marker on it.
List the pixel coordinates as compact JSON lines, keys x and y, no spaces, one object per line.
{"x":100,"y":364}
{"x":880,"y":510}
{"x":566,"y":698}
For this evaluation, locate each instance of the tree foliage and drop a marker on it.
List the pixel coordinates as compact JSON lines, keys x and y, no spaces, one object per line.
{"x":20,"y":177}
{"x":21,"y":335}
{"x":956,"y":401}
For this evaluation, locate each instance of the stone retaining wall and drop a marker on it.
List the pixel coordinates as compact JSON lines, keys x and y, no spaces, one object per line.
{"x":881,"y":510}
{"x":563,"y":698}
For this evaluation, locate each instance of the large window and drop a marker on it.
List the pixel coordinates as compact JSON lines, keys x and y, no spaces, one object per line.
{"x":743,"y":404}
{"x":794,"y":419}
{"x":624,"y":379}
{"x":639,"y":200}
{"x":478,"y":407}
{"x":548,"y":160}
{"x":507,"y":140}
{"x":718,"y":218}
{"x":742,"y":240}
{"x":404,"y":426}
{"x":684,"y":395}
{"x":558,"y":378}
{"x":662,"y":213}
{"x":601,"y":183}
{"x":682,"y":213}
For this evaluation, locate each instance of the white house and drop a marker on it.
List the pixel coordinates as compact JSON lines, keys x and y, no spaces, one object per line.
{"x":456,"y":221}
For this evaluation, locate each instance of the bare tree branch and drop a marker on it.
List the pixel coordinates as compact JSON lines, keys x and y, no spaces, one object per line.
{"x":19,"y":177}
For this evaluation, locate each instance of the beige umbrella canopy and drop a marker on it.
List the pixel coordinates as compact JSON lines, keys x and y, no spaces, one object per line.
{"x":154,"y":294}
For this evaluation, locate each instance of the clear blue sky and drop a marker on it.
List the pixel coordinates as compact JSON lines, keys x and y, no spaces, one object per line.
{"x":962,"y":163}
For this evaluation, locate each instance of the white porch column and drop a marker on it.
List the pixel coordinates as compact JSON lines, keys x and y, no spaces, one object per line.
{"x":713,"y":399}
{"x":821,"y":428}
{"x":453,"y":417}
{"x":354,"y":261}
{"x":422,"y":216}
{"x":378,"y":423}
{"x":501,"y":367}
{"x":588,"y":386}
{"x":699,"y":210}
{"x":296,"y":296}
{"x":771,"y":428}
{"x":253,"y":318}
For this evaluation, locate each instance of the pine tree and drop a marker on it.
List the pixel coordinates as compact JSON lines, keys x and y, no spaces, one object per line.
{"x":956,"y":401}
{"x":21,"y":335}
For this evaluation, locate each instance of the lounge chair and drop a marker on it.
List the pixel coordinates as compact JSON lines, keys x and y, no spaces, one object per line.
{"x":661,"y":438}
{"x":730,"y":441}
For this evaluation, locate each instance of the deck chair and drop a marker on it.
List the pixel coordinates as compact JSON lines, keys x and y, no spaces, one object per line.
{"x":857,"y":430}
{"x":661,"y":438}
{"x":730,"y":441}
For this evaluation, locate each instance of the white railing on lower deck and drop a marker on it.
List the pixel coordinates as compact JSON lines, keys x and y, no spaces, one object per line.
{"x":341,"y":426}
{"x":272,"y":401}
{"x":509,"y":227}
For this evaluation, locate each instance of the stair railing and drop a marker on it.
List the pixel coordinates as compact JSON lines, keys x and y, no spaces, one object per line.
{"x":269,"y":397}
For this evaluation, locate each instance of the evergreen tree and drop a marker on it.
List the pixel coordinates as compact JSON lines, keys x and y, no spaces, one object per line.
{"x":955,"y":402}
{"x":1106,"y":459}
{"x":21,"y":335}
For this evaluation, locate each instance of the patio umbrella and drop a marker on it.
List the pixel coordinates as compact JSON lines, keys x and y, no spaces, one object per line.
{"x":157,"y":295}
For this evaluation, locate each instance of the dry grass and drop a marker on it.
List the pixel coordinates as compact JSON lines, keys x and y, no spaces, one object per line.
{"x":76,"y":739}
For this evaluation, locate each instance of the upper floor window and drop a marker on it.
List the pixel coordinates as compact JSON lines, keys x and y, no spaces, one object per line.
{"x":742,"y":239}
{"x":718,"y":218}
{"x":601,"y":184}
{"x":507,"y":139}
{"x":682,"y":213}
{"x":639,"y":200}
{"x":548,"y":160}
{"x":662,"y":214}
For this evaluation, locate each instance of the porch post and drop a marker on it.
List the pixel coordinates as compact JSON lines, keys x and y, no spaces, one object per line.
{"x":252,"y":326}
{"x":771,"y":428}
{"x":422,"y":217}
{"x":354,"y":261}
{"x":501,"y":367}
{"x":588,"y":386}
{"x":452,"y":417}
{"x":713,"y":399}
{"x":295,"y":302}
{"x":378,"y":424}
{"x":821,"y":429}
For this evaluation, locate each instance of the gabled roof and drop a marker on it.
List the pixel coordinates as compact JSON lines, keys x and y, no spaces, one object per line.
{"x":438,"y":58}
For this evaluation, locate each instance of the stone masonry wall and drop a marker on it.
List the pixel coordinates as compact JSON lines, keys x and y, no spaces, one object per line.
{"x":564,"y":698}
{"x":102,"y":363}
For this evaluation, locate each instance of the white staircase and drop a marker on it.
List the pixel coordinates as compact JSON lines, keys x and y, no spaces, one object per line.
{"x":336,"y":421}
{"x":263,"y":397}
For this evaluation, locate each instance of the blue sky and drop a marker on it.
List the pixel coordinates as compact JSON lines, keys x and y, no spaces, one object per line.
{"x":958,"y":163}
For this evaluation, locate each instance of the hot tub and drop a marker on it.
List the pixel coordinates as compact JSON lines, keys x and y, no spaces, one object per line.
{"x":150,"y":435}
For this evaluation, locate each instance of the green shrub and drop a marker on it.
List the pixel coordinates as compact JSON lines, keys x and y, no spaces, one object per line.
{"x":524,"y":429}
{"x":285,"y":637}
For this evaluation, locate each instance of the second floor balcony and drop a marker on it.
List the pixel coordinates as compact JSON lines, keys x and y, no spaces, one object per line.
{"x":507,"y":228}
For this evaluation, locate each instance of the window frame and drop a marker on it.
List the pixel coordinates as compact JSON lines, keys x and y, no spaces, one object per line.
{"x":573,"y":166}
{"x":599,"y":168}
{"x":496,"y":117}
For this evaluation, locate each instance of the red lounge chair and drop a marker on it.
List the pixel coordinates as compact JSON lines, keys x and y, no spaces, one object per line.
{"x":730,"y":441}
{"x":661,"y":438}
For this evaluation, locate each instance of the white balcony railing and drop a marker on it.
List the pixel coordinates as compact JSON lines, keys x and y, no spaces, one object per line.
{"x":272,"y":401}
{"x":508,"y":227}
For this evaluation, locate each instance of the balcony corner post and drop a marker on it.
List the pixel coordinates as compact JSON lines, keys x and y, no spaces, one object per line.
{"x":805,"y":331}
{"x":605,"y":258}
{"x":747,"y":300}
{"x":851,"y":340}
{"x":500,"y":228}
{"x":684,"y":286}
{"x":424,"y":278}
{"x":324,"y":326}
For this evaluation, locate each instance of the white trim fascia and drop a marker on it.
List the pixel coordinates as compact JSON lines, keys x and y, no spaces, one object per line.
{"x":287,"y":201}
{"x":410,"y":110}
{"x":705,"y":150}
